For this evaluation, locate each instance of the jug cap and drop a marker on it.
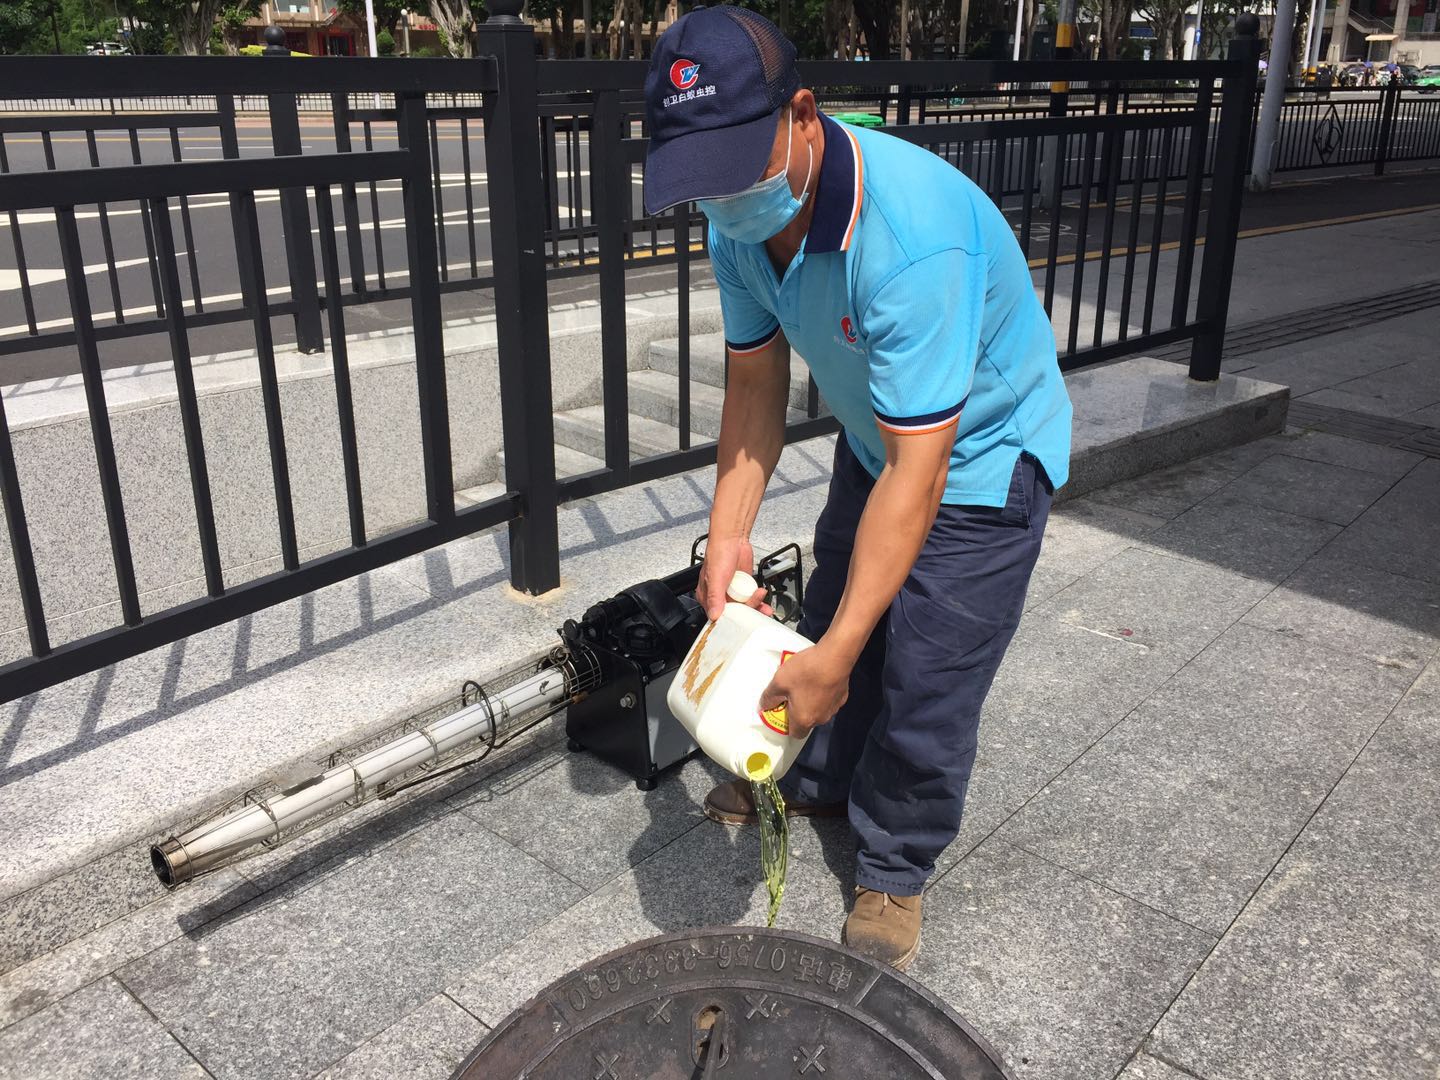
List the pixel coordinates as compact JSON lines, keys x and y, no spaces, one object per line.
{"x":741,"y":588}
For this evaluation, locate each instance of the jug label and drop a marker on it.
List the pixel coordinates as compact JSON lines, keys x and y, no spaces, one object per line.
{"x":776,"y":719}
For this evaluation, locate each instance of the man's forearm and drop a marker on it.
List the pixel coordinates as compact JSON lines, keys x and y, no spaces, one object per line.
{"x":752,"y":434}
{"x":897,"y":518}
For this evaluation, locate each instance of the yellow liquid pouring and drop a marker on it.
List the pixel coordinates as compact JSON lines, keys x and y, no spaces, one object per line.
{"x":774,"y":841}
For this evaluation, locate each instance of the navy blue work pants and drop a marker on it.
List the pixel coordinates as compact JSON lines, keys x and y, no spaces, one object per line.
{"x":902,"y":747}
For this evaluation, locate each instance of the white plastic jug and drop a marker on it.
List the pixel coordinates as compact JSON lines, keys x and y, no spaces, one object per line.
{"x":716,"y":692}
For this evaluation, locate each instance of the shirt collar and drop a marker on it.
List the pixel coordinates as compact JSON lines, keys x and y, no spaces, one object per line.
{"x":838,"y":193}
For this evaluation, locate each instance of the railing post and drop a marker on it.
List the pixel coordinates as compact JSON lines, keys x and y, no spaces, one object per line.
{"x":1237,"y":91}
{"x":1389,"y":100}
{"x":522,"y":318}
{"x":295,"y":212}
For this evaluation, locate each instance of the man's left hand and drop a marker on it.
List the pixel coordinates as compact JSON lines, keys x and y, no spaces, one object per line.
{"x":812,"y":685}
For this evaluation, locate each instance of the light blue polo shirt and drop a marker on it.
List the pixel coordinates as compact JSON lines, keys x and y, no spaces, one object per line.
{"x":912,"y":304}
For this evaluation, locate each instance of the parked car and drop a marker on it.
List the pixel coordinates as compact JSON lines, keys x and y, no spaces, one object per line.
{"x":106,"y":48}
{"x":1429,"y":79}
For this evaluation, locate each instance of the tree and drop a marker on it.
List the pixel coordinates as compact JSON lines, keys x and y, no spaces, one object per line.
{"x":562,"y":15}
{"x":454,"y":18}
{"x":875,"y":17}
{"x":387,"y":12}
{"x":1113,"y":20}
{"x":1167,"y":19}
{"x":230,"y":24}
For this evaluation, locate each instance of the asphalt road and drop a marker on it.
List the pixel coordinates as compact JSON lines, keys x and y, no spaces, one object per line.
{"x":206,"y":249}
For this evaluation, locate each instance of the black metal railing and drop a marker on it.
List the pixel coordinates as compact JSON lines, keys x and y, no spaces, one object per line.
{"x":1113,"y":234}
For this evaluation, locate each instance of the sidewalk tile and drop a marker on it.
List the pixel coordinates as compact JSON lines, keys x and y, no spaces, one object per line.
{"x":1080,"y":535}
{"x":1383,"y":461}
{"x":1332,"y":601}
{"x":1330,"y":971}
{"x":1059,"y":689}
{"x":1156,"y":601}
{"x":352,"y":950}
{"x":580,"y":815}
{"x":100,"y":1031}
{"x":1238,"y":535}
{"x":1401,"y":532}
{"x":1311,"y":489}
{"x":43,"y":919}
{"x":1187,"y":805}
{"x":1144,"y":1067}
{"x":427,"y":1044}
{"x":708,"y":877}
{"x":1062,"y":976}
{"x":1168,"y":493}
{"x":48,"y":978}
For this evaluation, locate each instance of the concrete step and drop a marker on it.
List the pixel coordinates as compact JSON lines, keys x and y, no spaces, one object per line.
{"x":568,"y":462}
{"x":583,"y":429}
{"x":707,"y":365}
{"x":656,"y":396}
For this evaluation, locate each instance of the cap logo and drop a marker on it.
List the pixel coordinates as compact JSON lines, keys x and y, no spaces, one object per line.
{"x":684,"y":73}
{"x":848,"y":329}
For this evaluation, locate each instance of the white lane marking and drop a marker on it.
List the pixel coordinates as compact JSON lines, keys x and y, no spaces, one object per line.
{"x":10,"y":279}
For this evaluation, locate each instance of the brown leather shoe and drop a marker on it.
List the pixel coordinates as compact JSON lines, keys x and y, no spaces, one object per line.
{"x":733,"y":803}
{"x":885,"y":928}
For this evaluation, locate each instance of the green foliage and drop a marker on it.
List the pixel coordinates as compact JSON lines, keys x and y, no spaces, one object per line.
{"x":385,"y":43}
{"x":27,"y":26}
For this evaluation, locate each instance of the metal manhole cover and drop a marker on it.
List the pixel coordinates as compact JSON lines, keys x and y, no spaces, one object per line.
{"x":732,"y":1003}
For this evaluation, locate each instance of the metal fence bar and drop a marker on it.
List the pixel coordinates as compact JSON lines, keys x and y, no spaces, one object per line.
{"x":188,"y":233}
{"x":349,"y":203}
{"x":610,"y":180}
{"x":340,"y":366}
{"x":1157,"y":232}
{"x":521,"y":312}
{"x":420,"y":235}
{"x":1213,"y":303}
{"x":148,"y":229}
{"x":1141,"y":157}
{"x":21,"y":552}
{"x":295,"y":215}
{"x":73,"y":260}
{"x":1190,"y":220}
{"x":248,"y":240}
{"x":106,"y":240}
{"x":188,"y":402}
{"x":27,"y":298}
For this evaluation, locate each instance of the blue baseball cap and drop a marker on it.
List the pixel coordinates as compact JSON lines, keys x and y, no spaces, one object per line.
{"x":717,"y":82}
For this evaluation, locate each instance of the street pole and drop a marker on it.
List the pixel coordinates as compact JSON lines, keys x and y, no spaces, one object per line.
{"x":1262,"y":165}
{"x":405,"y":30}
{"x":370,"y":26}
{"x":905,"y":29}
{"x":1309,"y":39}
{"x":1192,"y":43}
{"x":1019,"y":17}
{"x":961,"y":45}
{"x":1314,"y":58}
{"x":588,"y":16}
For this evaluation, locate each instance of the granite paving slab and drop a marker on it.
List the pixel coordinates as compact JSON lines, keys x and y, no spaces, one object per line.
{"x":1059,"y":689}
{"x":1398,"y":390}
{"x":38,"y":921}
{"x":1387,"y":618}
{"x":1238,"y":535}
{"x":352,"y":949}
{"x":100,"y":1031}
{"x":427,"y":1044}
{"x":710,"y":876}
{"x":1145,"y":1067}
{"x":1063,"y":976}
{"x":580,"y":816}
{"x":1080,"y":535}
{"x":1384,"y":461}
{"x":1312,"y":489}
{"x":1401,"y":532}
{"x":1157,"y":602}
{"x":1168,"y":493}
{"x":1330,"y":971}
{"x":48,"y":978}
{"x":1188,"y":804}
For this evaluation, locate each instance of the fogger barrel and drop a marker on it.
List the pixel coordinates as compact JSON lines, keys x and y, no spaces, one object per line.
{"x":180,"y":858}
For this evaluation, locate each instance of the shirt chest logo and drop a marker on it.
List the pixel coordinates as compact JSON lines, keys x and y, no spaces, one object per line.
{"x":849,"y":338}
{"x":848,"y":329}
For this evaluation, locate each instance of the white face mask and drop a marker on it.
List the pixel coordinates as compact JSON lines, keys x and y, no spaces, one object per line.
{"x":761,"y":211}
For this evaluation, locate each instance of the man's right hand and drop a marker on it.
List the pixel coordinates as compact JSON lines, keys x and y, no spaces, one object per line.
{"x":722,"y":558}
